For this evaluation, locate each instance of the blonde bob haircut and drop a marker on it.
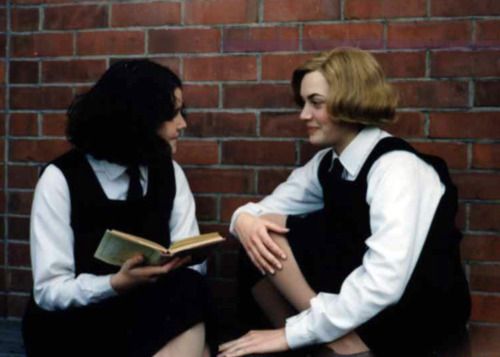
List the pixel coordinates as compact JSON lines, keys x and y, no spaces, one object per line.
{"x":359,"y":92}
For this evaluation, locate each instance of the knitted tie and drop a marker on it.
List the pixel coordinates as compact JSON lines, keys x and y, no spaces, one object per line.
{"x":134,"y":186}
{"x":337,"y":169}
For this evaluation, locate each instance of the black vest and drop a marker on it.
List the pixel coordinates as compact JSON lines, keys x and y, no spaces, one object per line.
{"x":436,"y":300}
{"x":92,"y":212}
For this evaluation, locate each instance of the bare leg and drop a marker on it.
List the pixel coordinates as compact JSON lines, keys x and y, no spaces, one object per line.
{"x":190,"y":343}
{"x":290,"y":281}
{"x":274,"y":305}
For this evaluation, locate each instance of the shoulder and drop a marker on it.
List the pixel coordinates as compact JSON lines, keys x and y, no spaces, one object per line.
{"x":52,"y":185}
{"x":403,"y":167}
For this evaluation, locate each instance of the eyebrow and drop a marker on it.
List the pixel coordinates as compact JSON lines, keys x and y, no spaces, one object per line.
{"x":311,"y":96}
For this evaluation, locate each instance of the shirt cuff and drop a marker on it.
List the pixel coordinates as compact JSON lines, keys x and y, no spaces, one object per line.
{"x":296,"y":331}
{"x":102,"y":289}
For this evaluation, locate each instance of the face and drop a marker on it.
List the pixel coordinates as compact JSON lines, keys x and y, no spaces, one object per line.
{"x":321,"y":128}
{"x":170,"y":130}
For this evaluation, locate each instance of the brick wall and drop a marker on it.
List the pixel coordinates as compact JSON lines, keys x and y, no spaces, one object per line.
{"x":236,"y":57}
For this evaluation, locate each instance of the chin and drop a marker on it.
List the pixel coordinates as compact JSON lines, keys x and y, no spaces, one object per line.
{"x":173,"y":147}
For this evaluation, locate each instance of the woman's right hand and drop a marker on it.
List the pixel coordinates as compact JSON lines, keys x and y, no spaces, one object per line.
{"x":133,"y":273}
{"x":253,"y":232}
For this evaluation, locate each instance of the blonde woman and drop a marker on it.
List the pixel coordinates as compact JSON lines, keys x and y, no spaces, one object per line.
{"x":361,"y":240}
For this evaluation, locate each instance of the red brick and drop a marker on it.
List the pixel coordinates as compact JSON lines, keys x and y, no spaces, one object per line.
{"x":279,"y":124}
{"x":227,"y":68}
{"x":486,"y":156}
{"x":3,"y":199}
{"x":75,"y":17}
{"x":16,"y":305}
{"x":2,"y":124}
{"x":72,"y":71}
{"x":408,"y":125}
{"x":184,"y":40}
{"x":326,"y":37}
{"x":432,"y":34}
{"x":24,"y":19}
{"x":265,"y":39}
{"x":2,"y":72}
{"x":485,"y":308}
{"x":171,"y":62}
{"x":402,"y":64}
{"x":19,"y":280}
{"x":229,"y":204}
{"x":37,"y":150}
{"x":485,"y":340}
{"x":487,"y":93}
{"x":481,"y":247}
{"x":197,"y":152}
{"x":221,"y":124}
{"x":23,"y":176}
{"x":221,"y":180}
{"x":465,"y":64}
{"x":370,"y":9}
{"x":258,"y":152}
{"x":299,"y":10}
{"x":42,"y":44}
{"x":485,"y":217}
{"x":220,"y":11}
{"x":18,"y":254}
{"x":223,"y":229}
{"x":433,"y":94}
{"x":2,"y":98}
{"x":206,"y":208}
{"x":258,"y":96}
{"x":3,"y":43}
{"x":455,"y":154}
{"x":19,"y":228}
{"x":150,"y":14}
{"x":488,"y":33}
{"x":465,"y":8}
{"x":54,"y":124}
{"x":482,"y":186}
{"x":2,"y":184}
{"x":41,"y":97}
{"x":201,"y":96}
{"x":281,"y":66}
{"x":3,"y":21}
{"x":485,"y":277}
{"x":3,"y":274}
{"x":110,"y":42}
{"x":23,"y":124}
{"x":480,"y":125}
{"x":270,"y":179}
{"x":307,"y":151}
{"x":23,"y":72}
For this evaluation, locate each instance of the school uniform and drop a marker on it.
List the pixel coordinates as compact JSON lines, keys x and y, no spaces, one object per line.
{"x":74,"y":309}
{"x":373,"y":232}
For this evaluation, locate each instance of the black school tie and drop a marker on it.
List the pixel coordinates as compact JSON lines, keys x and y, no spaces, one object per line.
{"x":134,"y":186}
{"x":337,"y":169}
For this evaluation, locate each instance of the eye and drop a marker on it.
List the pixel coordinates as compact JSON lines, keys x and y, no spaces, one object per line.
{"x":317,"y":103}
{"x":183,"y":112}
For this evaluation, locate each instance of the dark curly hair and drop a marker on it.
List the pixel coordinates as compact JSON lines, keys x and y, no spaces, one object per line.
{"x":118,"y":118}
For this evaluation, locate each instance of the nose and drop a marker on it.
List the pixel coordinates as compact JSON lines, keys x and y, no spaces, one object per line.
{"x":181,"y":122}
{"x":305,"y":114}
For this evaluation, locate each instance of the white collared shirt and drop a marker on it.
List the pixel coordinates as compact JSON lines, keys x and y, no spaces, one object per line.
{"x":51,"y":237}
{"x":403,"y":193}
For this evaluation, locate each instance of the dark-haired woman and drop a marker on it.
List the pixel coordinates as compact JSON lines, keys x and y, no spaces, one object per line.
{"x":373,"y":266}
{"x":119,"y":175}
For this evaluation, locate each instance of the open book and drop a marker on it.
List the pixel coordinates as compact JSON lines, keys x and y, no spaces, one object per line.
{"x":116,"y":247}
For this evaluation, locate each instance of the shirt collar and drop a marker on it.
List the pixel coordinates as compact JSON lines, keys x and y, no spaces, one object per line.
{"x":356,"y":153}
{"x":112,"y":170}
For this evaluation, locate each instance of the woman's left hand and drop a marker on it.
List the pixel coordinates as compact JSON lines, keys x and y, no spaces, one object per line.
{"x":265,"y":341}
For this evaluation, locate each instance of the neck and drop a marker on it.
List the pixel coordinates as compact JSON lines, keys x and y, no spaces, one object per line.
{"x":349,"y":132}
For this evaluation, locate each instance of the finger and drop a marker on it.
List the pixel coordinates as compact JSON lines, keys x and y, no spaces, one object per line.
{"x":170,"y":265}
{"x":266,"y":254}
{"x":234,"y":343}
{"x":133,"y":262}
{"x":275,"y":227}
{"x":254,"y":261}
{"x":272,"y":245}
{"x":262,"y":262}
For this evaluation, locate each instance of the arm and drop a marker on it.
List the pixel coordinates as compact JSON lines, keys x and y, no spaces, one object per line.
{"x":183,"y":222}
{"x":300,"y":193}
{"x":403,"y":194}
{"x":51,"y":243}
